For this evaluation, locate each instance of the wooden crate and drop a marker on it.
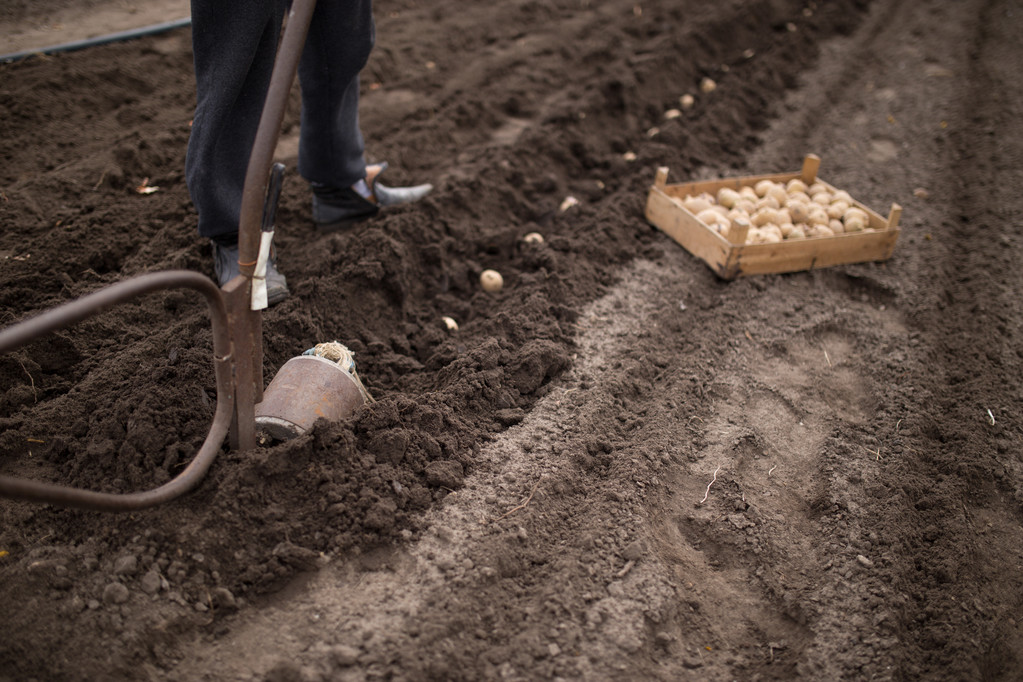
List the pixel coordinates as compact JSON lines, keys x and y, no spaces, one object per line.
{"x":730,"y":259}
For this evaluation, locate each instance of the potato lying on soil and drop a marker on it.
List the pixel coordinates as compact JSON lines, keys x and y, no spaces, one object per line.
{"x":491,"y":280}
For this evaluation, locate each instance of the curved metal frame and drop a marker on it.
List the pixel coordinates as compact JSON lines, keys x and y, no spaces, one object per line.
{"x":237,"y":329}
{"x":70,"y":313}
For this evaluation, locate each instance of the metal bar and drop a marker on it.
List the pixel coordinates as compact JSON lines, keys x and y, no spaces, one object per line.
{"x":246,"y":330}
{"x":87,"y":306}
{"x":246,"y":324}
{"x":258,"y":171}
{"x":130,"y":34}
{"x":273,"y":196}
{"x":75,"y":311}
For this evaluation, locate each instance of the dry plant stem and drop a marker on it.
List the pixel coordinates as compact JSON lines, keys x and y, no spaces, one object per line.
{"x":876,"y":453}
{"x":706,"y":494}
{"x":521,"y":506}
{"x":209,"y":605}
{"x":35,"y":395}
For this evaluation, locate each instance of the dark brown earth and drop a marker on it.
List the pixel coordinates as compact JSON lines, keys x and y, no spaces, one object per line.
{"x":619,"y":467}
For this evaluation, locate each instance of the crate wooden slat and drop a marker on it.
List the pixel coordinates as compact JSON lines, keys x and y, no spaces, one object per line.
{"x":729,"y":260}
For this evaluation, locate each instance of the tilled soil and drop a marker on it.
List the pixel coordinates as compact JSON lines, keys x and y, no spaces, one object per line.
{"x":619,"y":466}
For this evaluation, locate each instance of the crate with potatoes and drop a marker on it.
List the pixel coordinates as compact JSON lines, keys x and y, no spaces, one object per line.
{"x":784,"y":222}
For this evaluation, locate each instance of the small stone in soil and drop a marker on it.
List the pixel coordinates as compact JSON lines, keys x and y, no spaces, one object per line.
{"x":344,"y":656}
{"x":151,"y":582}
{"x":445,"y":474}
{"x":115,"y":593}
{"x":634,"y":551}
{"x":224,"y":599}
{"x":126,"y":565}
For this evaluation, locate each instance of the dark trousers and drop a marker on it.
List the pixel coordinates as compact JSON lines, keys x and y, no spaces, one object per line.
{"x":234,"y":45}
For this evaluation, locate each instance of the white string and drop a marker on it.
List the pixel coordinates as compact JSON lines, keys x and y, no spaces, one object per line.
{"x":337,"y":352}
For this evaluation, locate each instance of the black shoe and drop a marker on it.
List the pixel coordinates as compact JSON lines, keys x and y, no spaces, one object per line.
{"x":336,"y":208}
{"x":225,"y":265}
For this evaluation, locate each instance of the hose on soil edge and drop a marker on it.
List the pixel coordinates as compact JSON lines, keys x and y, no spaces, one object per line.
{"x":99,"y":40}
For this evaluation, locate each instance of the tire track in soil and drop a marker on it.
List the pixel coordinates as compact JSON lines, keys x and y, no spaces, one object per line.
{"x":959,"y":599}
{"x":945,"y":603}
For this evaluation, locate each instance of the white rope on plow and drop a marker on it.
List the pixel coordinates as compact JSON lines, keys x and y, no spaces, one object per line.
{"x":338,"y":353}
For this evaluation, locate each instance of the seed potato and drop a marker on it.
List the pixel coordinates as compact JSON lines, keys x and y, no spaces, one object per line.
{"x":738,"y":214}
{"x":745,"y":204}
{"x":762,"y":187}
{"x":491,"y":280}
{"x":795,"y":185}
{"x":822,"y":231}
{"x":836,"y":209}
{"x":714,"y":220}
{"x":779,"y":193}
{"x":798,"y":211}
{"x":854,"y":221}
{"x":727,"y":197}
{"x":818,"y":216}
{"x":772,"y":233}
{"x":697,"y":204}
{"x":763,"y":216}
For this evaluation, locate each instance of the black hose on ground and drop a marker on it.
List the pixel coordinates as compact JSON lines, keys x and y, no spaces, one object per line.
{"x":99,"y":40}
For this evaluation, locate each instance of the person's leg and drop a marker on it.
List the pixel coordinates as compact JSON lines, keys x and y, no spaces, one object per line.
{"x":331,"y":150}
{"x":234,"y":46}
{"x":341,"y":36}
